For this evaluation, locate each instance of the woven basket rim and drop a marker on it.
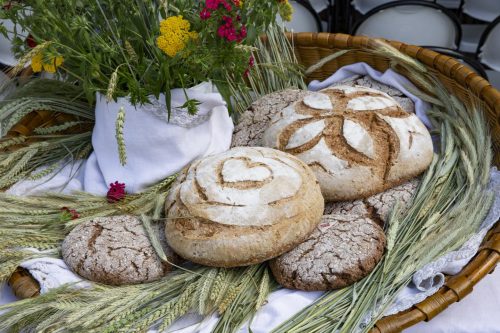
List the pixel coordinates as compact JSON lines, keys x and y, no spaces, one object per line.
{"x":459,"y":286}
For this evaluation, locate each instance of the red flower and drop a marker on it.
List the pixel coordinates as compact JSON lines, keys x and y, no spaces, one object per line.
{"x":242,"y":34}
{"x":116,"y":192}
{"x":30,"y":41}
{"x":7,"y":6}
{"x":70,"y":213}
{"x":251,"y":62}
{"x":205,"y":14}
{"x":226,"y":5}
{"x":212,"y":4}
{"x":228,"y":20}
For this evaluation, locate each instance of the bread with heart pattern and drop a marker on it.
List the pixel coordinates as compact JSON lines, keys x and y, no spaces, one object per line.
{"x":242,"y":207}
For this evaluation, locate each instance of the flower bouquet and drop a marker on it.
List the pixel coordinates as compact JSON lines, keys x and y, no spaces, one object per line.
{"x":137,"y":49}
{"x":179,"y":62}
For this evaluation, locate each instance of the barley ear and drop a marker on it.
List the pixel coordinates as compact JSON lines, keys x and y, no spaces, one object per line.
{"x":131,"y":52}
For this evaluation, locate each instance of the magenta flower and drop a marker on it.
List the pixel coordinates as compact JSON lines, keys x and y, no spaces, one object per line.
{"x":212,"y":4}
{"x":116,"y":192}
{"x":205,"y":14}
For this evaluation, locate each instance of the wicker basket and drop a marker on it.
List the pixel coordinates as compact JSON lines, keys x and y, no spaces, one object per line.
{"x":310,"y":48}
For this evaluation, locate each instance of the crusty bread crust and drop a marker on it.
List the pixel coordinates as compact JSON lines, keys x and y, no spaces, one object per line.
{"x":115,"y":250}
{"x":342,"y":250}
{"x":359,"y":141}
{"x":242,"y":207}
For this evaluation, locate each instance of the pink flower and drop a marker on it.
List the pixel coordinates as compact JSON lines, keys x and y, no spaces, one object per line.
{"x":212,"y":4}
{"x":242,"y":34}
{"x":226,"y":5}
{"x":205,"y":14}
{"x":221,"y":32}
{"x":228,"y":20}
{"x":116,"y":192}
{"x":251,"y":62}
{"x":231,"y":35}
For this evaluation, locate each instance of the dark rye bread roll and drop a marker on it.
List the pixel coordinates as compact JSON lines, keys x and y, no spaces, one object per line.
{"x":346,"y":246}
{"x":116,"y":251}
{"x":242,"y":207}
{"x":378,"y":206}
{"x":342,"y":250}
{"x":252,"y":123}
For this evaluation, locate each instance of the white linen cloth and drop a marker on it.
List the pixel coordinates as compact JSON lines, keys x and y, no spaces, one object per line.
{"x":156,"y":146}
{"x":285,"y":303}
{"x":52,"y":273}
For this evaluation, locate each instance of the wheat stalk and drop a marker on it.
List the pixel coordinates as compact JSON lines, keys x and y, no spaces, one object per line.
{"x":119,"y":126}
{"x":264,"y":290}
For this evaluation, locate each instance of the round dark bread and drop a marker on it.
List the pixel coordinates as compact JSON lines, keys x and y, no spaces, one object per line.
{"x":342,"y":250}
{"x":378,"y":206}
{"x":116,"y":251}
{"x":252,"y":123}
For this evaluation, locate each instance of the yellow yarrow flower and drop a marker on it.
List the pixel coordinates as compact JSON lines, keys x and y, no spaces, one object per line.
{"x":286,"y":10}
{"x":38,"y":65}
{"x":174,"y":35}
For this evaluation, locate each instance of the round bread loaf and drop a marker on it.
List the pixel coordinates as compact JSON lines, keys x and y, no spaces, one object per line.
{"x":358,"y":140}
{"x":342,"y":250}
{"x":115,"y":250}
{"x":242,"y":207}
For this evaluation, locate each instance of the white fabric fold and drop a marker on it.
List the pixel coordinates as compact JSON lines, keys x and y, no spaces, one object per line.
{"x":52,"y":273}
{"x":156,"y":146}
{"x":430,"y":278}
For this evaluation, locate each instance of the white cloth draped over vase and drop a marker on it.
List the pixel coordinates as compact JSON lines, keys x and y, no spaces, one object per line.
{"x":156,"y":146}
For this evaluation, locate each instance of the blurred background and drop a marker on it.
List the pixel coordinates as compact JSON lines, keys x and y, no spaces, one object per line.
{"x":468,"y":30}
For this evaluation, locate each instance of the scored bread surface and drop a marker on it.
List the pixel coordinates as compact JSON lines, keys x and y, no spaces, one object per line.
{"x":241,"y":207}
{"x":342,"y":250}
{"x":115,"y":250}
{"x":358,"y":140}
